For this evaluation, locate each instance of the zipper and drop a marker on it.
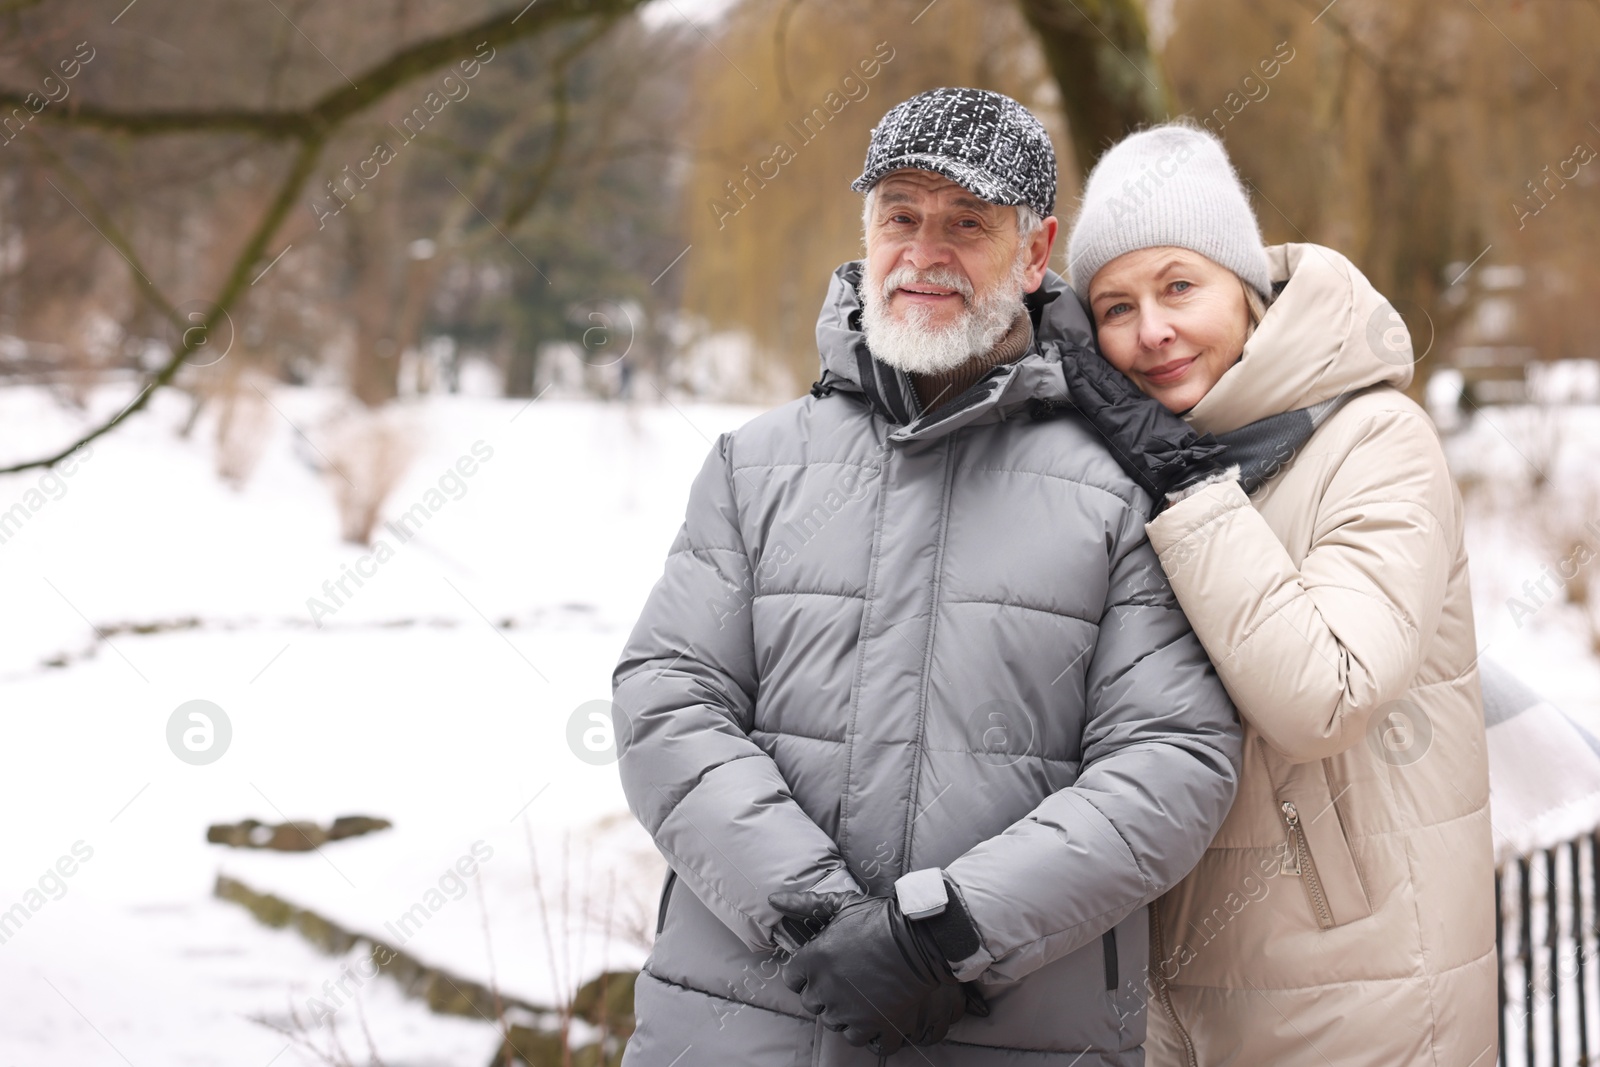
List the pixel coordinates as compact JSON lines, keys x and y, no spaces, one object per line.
{"x":1162,"y":993}
{"x":916,"y":401}
{"x":1305,"y":868}
{"x":927,"y":656}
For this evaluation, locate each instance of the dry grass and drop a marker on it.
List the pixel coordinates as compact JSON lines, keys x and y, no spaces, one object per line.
{"x":366,"y":451}
{"x":245,"y":422}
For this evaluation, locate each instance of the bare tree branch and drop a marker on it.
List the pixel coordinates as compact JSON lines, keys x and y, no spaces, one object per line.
{"x":339,"y":104}
{"x":311,"y":127}
{"x":780,"y":33}
{"x":98,"y":217}
{"x":305,"y":159}
{"x":1407,"y":75}
{"x":529,"y":198}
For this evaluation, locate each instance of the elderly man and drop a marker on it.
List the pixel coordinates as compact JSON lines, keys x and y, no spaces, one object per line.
{"x":912,"y":713}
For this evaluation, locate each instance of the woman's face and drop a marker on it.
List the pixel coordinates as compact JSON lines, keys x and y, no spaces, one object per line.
{"x":1171,"y":320}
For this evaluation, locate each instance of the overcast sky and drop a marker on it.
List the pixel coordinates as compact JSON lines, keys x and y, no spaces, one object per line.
{"x":700,"y":12}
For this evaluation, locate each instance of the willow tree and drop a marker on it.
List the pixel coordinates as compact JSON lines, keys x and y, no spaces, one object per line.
{"x":1406,"y":134}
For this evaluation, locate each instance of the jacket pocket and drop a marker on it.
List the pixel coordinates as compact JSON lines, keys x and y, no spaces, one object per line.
{"x":666,"y":895}
{"x":1315,"y":848}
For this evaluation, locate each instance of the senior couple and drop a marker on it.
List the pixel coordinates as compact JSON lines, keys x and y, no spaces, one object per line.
{"x":1083,"y":673}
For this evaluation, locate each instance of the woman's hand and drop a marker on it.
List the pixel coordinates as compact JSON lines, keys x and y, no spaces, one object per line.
{"x":1157,"y":448}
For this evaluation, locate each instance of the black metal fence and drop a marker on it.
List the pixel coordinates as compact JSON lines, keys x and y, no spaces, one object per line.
{"x":1547,"y":929}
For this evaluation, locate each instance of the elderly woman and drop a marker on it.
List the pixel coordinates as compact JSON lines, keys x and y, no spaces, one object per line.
{"x":1344,"y":913}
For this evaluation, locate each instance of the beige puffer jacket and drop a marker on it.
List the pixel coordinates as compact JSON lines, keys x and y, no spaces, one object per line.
{"x":1344,"y":913}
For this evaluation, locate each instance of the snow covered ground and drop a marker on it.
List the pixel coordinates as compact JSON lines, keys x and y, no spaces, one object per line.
{"x":439,"y":693}
{"x":1531,"y":485}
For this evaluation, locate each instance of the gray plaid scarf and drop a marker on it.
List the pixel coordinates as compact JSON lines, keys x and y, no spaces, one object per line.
{"x":1262,"y":448}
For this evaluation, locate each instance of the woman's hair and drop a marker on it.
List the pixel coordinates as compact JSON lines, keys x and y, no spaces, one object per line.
{"x":1256,"y":307}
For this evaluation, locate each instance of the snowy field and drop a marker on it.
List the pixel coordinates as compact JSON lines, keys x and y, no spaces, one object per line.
{"x":439,"y":694}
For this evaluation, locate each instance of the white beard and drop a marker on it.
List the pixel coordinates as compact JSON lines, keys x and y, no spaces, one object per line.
{"x":910,"y":344}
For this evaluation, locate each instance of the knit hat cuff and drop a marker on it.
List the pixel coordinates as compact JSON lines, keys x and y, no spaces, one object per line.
{"x":1170,"y":185}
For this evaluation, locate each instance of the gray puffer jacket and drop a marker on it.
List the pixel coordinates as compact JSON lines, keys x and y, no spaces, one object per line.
{"x":886,"y":642}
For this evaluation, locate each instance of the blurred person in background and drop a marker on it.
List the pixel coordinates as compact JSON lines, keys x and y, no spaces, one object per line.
{"x":1345,"y":912}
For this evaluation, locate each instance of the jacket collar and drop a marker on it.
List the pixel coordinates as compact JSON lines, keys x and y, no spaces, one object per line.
{"x":1328,"y":332}
{"x":1059,"y":324}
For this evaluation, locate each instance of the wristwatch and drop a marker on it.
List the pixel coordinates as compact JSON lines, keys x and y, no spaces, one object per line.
{"x":929,"y":899}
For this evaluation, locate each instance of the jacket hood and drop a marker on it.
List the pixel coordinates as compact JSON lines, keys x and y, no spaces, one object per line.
{"x":1328,"y":332}
{"x":1059,"y":324}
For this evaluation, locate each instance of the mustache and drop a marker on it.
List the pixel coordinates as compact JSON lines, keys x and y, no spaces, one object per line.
{"x":909,"y":277}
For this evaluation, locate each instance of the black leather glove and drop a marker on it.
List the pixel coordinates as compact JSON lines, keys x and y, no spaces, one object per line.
{"x":805,"y":913}
{"x":1157,"y":448}
{"x":872,"y":973}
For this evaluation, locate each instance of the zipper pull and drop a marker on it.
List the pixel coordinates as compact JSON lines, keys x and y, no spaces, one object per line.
{"x":1290,"y":862}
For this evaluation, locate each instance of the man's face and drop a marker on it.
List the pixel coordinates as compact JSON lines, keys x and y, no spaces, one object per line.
{"x":945,"y":271}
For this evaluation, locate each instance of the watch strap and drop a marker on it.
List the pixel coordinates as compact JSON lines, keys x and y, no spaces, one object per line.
{"x":953,"y":929}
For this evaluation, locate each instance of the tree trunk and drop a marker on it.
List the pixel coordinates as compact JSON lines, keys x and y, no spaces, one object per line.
{"x":1099,"y":53}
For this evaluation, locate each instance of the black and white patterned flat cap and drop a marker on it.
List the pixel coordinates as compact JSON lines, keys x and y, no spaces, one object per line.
{"x":981,"y":140}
